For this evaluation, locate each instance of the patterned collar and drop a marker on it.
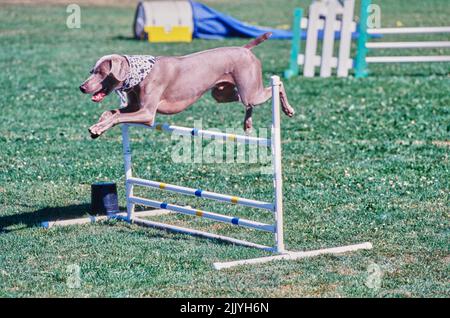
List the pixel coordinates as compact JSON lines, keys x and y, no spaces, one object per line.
{"x":140,"y":67}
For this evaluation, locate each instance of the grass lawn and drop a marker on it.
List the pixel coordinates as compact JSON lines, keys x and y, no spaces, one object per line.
{"x":363,"y":160}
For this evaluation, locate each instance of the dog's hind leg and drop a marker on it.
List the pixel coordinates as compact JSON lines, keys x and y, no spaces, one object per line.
{"x":266,"y":93}
{"x":285,"y":106}
{"x":251,"y":88}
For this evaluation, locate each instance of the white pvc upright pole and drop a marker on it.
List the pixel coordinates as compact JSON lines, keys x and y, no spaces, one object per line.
{"x":328,"y":39}
{"x":345,"y":45}
{"x":309,"y":65}
{"x":128,"y":172}
{"x":276,"y":158}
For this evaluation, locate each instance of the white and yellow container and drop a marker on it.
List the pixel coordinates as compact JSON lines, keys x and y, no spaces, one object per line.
{"x":164,"y":21}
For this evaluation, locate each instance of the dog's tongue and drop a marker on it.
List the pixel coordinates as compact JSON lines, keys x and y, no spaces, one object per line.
{"x":98,"y":97}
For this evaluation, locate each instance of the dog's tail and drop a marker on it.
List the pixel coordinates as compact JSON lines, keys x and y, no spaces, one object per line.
{"x":258,"y":40}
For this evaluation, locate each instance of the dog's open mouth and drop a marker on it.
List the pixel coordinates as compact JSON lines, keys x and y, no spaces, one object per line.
{"x":98,"y":97}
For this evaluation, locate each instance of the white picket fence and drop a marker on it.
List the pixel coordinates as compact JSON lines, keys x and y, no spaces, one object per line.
{"x":329,"y":17}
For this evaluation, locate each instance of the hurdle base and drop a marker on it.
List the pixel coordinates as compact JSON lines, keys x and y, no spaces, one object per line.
{"x":98,"y":218}
{"x":198,"y":233}
{"x":294,"y":255}
{"x":287,"y":255}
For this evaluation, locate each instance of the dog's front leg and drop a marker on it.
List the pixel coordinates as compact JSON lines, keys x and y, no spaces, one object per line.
{"x":248,"y":123}
{"x":105,"y":115}
{"x":120,"y":116}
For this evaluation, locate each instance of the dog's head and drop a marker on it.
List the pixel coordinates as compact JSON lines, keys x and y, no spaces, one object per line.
{"x":108,"y":74}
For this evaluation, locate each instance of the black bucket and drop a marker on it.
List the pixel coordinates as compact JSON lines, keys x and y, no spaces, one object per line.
{"x":104,"y":198}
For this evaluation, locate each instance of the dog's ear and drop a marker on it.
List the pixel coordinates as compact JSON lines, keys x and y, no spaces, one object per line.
{"x":119,"y":68}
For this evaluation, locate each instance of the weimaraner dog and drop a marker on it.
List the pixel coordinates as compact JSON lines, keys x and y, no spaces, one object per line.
{"x":168,"y":85}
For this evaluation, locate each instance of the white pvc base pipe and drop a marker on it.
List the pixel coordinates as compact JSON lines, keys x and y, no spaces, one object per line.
{"x":93,"y":219}
{"x":294,"y":255}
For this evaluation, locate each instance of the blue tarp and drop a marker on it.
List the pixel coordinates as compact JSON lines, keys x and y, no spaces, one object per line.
{"x":211,"y":24}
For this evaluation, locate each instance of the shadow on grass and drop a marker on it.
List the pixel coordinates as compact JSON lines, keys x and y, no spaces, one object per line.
{"x":126,"y":38}
{"x":25,"y":220}
{"x":33,"y":219}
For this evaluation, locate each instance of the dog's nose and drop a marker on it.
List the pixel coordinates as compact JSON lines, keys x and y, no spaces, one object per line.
{"x":83,"y":89}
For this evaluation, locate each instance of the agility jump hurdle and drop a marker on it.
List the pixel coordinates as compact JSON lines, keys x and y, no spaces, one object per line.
{"x":334,"y":16}
{"x":362,"y":60}
{"x":275,"y":207}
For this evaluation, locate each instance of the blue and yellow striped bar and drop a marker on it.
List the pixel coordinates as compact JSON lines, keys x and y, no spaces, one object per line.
{"x":202,"y":194}
{"x":263,"y":142}
{"x":184,"y":230}
{"x":207,"y":215}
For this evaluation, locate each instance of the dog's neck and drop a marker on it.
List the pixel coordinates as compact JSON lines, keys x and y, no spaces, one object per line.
{"x":140,"y":67}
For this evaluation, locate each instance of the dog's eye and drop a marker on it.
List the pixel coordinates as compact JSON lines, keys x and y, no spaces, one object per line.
{"x":91,"y":71}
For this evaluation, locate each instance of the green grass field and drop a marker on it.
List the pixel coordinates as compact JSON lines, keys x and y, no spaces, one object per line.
{"x":363,"y":160}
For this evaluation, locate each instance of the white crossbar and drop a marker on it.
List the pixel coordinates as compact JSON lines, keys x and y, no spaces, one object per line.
{"x":200,"y":213}
{"x":185,"y":131}
{"x":183,"y":230}
{"x":318,"y":60}
{"x":294,"y":255}
{"x":407,"y":59}
{"x":419,"y":30}
{"x":321,"y":25}
{"x":202,"y":193}
{"x":408,"y":45}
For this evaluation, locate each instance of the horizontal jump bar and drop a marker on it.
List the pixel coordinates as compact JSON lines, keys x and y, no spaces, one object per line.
{"x":418,"y":30}
{"x":183,"y":230}
{"x":294,"y":255}
{"x":321,"y":25}
{"x":264,"y":142}
{"x":204,"y":214}
{"x":407,"y":59}
{"x":202,"y":194}
{"x":408,"y":45}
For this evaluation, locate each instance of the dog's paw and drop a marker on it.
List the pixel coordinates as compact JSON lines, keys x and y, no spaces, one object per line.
{"x":248,"y":131}
{"x":289,"y":111}
{"x":93,"y":135}
{"x":95,"y":131}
